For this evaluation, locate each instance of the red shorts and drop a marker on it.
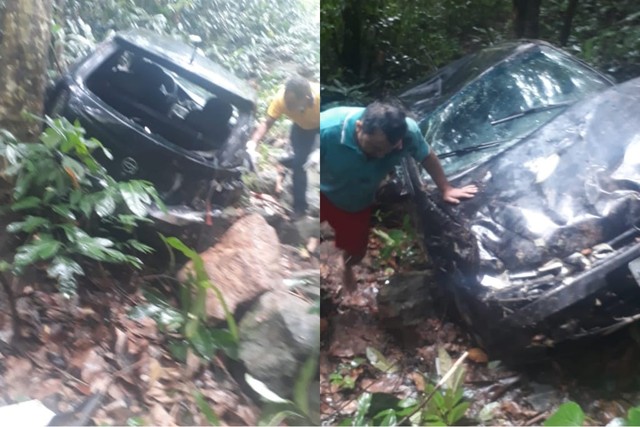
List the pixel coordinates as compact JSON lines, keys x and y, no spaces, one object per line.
{"x":351,"y":228}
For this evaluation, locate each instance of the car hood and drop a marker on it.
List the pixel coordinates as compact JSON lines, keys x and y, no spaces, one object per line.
{"x":177,"y":56}
{"x":569,"y":186}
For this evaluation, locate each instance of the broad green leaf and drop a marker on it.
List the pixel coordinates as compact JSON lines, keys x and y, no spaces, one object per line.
{"x":51,"y":138}
{"x":73,"y":168}
{"x":568,"y":414}
{"x":633,"y":416}
{"x":26,"y":203}
{"x":378,"y":361}
{"x":133,"y":197}
{"x":305,"y":377}
{"x":36,"y":250}
{"x":135,"y":422}
{"x":203,"y":342}
{"x":64,"y":211}
{"x":140,"y":247}
{"x":106,"y":206}
{"x":274,"y":414}
{"x":29,"y":225}
{"x":64,"y":271}
{"x":457,"y":413}
{"x":225,"y":341}
{"x":388,"y":417}
{"x":206,"y":410}
{"x":364,"y":403}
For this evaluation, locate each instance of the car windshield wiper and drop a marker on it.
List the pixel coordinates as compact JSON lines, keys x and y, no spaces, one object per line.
{"x":531,"y":111}
{"x":472,"y":149}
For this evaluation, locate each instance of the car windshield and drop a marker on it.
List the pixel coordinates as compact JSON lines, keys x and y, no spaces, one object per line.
{"x":505,"y":104}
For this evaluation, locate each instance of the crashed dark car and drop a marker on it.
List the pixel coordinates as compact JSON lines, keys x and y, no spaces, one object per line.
{"x":549,"y":250}
{"x":167,"y":114}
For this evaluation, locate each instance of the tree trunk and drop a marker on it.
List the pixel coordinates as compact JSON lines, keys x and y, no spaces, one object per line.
{"x":352,"y":36}
{"x":23,"y":58}
{"x":527,"y":18}
{"x":568,"y":19}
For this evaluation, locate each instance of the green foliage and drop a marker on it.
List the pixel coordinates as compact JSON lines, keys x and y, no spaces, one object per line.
{"x":299,"y":411}
{"x":604,"y":33}
{"x":387,"y":45}
{"x":343,"y":377}
{"x":68,"y":206}
{"x":437,"y":406}
{"x":568,"y":414}
{"x":571,"y":414}
{"x":251,"y":37}
{"x":399,"y":245}
{"x":192,"y":322}
{"x":391,"y":43}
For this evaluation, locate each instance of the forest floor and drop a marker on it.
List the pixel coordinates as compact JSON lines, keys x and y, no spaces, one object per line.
{"x":601,"y":378}
{"x":116,"y":354}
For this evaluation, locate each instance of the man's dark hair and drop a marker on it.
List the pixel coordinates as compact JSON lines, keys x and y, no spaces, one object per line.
{"x":299,"y":86}
{"x":390,"y":119}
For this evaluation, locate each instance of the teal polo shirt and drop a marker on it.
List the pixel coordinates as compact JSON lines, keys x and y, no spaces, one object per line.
{"x":348,"y":177}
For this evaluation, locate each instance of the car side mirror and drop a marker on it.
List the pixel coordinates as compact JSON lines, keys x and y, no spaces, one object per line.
{"x":197,"y":41}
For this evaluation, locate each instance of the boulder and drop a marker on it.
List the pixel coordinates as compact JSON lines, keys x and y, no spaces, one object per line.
{"x":244,"y":264}
{"x":277,"y":335}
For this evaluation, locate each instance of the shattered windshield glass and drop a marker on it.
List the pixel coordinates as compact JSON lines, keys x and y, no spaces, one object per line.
{"x":519,"y":88}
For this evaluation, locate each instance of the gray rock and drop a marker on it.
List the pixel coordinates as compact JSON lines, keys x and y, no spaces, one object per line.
{"x":277,"y":335}
{"x":407,"y":298}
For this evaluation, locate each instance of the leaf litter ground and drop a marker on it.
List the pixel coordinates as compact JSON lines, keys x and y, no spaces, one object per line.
{"x":603,"y":379}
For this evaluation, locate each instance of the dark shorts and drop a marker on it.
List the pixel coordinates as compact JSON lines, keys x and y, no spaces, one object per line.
{"x":351,"y":228}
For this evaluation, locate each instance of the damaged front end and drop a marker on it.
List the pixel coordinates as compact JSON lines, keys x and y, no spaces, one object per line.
{"x":549,"y":249}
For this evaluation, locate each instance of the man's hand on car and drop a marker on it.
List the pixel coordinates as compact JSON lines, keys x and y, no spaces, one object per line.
{"x":253,"y":154}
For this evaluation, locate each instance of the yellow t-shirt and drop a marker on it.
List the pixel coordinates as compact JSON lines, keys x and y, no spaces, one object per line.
{"x":308,"y":119}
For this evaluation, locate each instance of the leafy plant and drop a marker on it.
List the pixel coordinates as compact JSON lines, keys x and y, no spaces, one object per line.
{"x":70,"y":211}
{"x":568,"y":414}
{"x":398,"y":245}
{"x":193,"y":295}
{"x":571,"y":414}
{"x":441,"y":404}
{"x":299,"y":411}
{"x":342,"y":376}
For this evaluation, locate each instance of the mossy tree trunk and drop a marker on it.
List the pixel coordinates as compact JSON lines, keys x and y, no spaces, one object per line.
{"x":24,"y":45}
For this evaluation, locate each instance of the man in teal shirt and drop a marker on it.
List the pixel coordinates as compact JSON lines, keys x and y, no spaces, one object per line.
{"x":358,"y":148}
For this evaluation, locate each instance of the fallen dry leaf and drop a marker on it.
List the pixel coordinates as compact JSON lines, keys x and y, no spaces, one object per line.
{"x":18,"y":374}
{"x":418,"y":380}
{"x":47,"y":388}
{"x":155,"y":371}
{"x":478,"y":355}
{"x":93,"y":366}
{"x":159,"y":416}
{"x":193,"y":363}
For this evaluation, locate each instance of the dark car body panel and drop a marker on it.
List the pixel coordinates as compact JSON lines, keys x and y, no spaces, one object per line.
{"x":542,"y":253}
{"x":184,"y":175}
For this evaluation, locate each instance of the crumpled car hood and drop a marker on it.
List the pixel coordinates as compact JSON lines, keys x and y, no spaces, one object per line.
{"x":572,"y":184}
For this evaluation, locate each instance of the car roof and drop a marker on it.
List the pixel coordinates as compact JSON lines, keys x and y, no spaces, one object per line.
{"x":424,"y":96}
{"x":177,"y":57}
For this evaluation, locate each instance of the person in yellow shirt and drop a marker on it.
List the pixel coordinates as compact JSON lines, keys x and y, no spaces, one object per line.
{"x":299,"y":100}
